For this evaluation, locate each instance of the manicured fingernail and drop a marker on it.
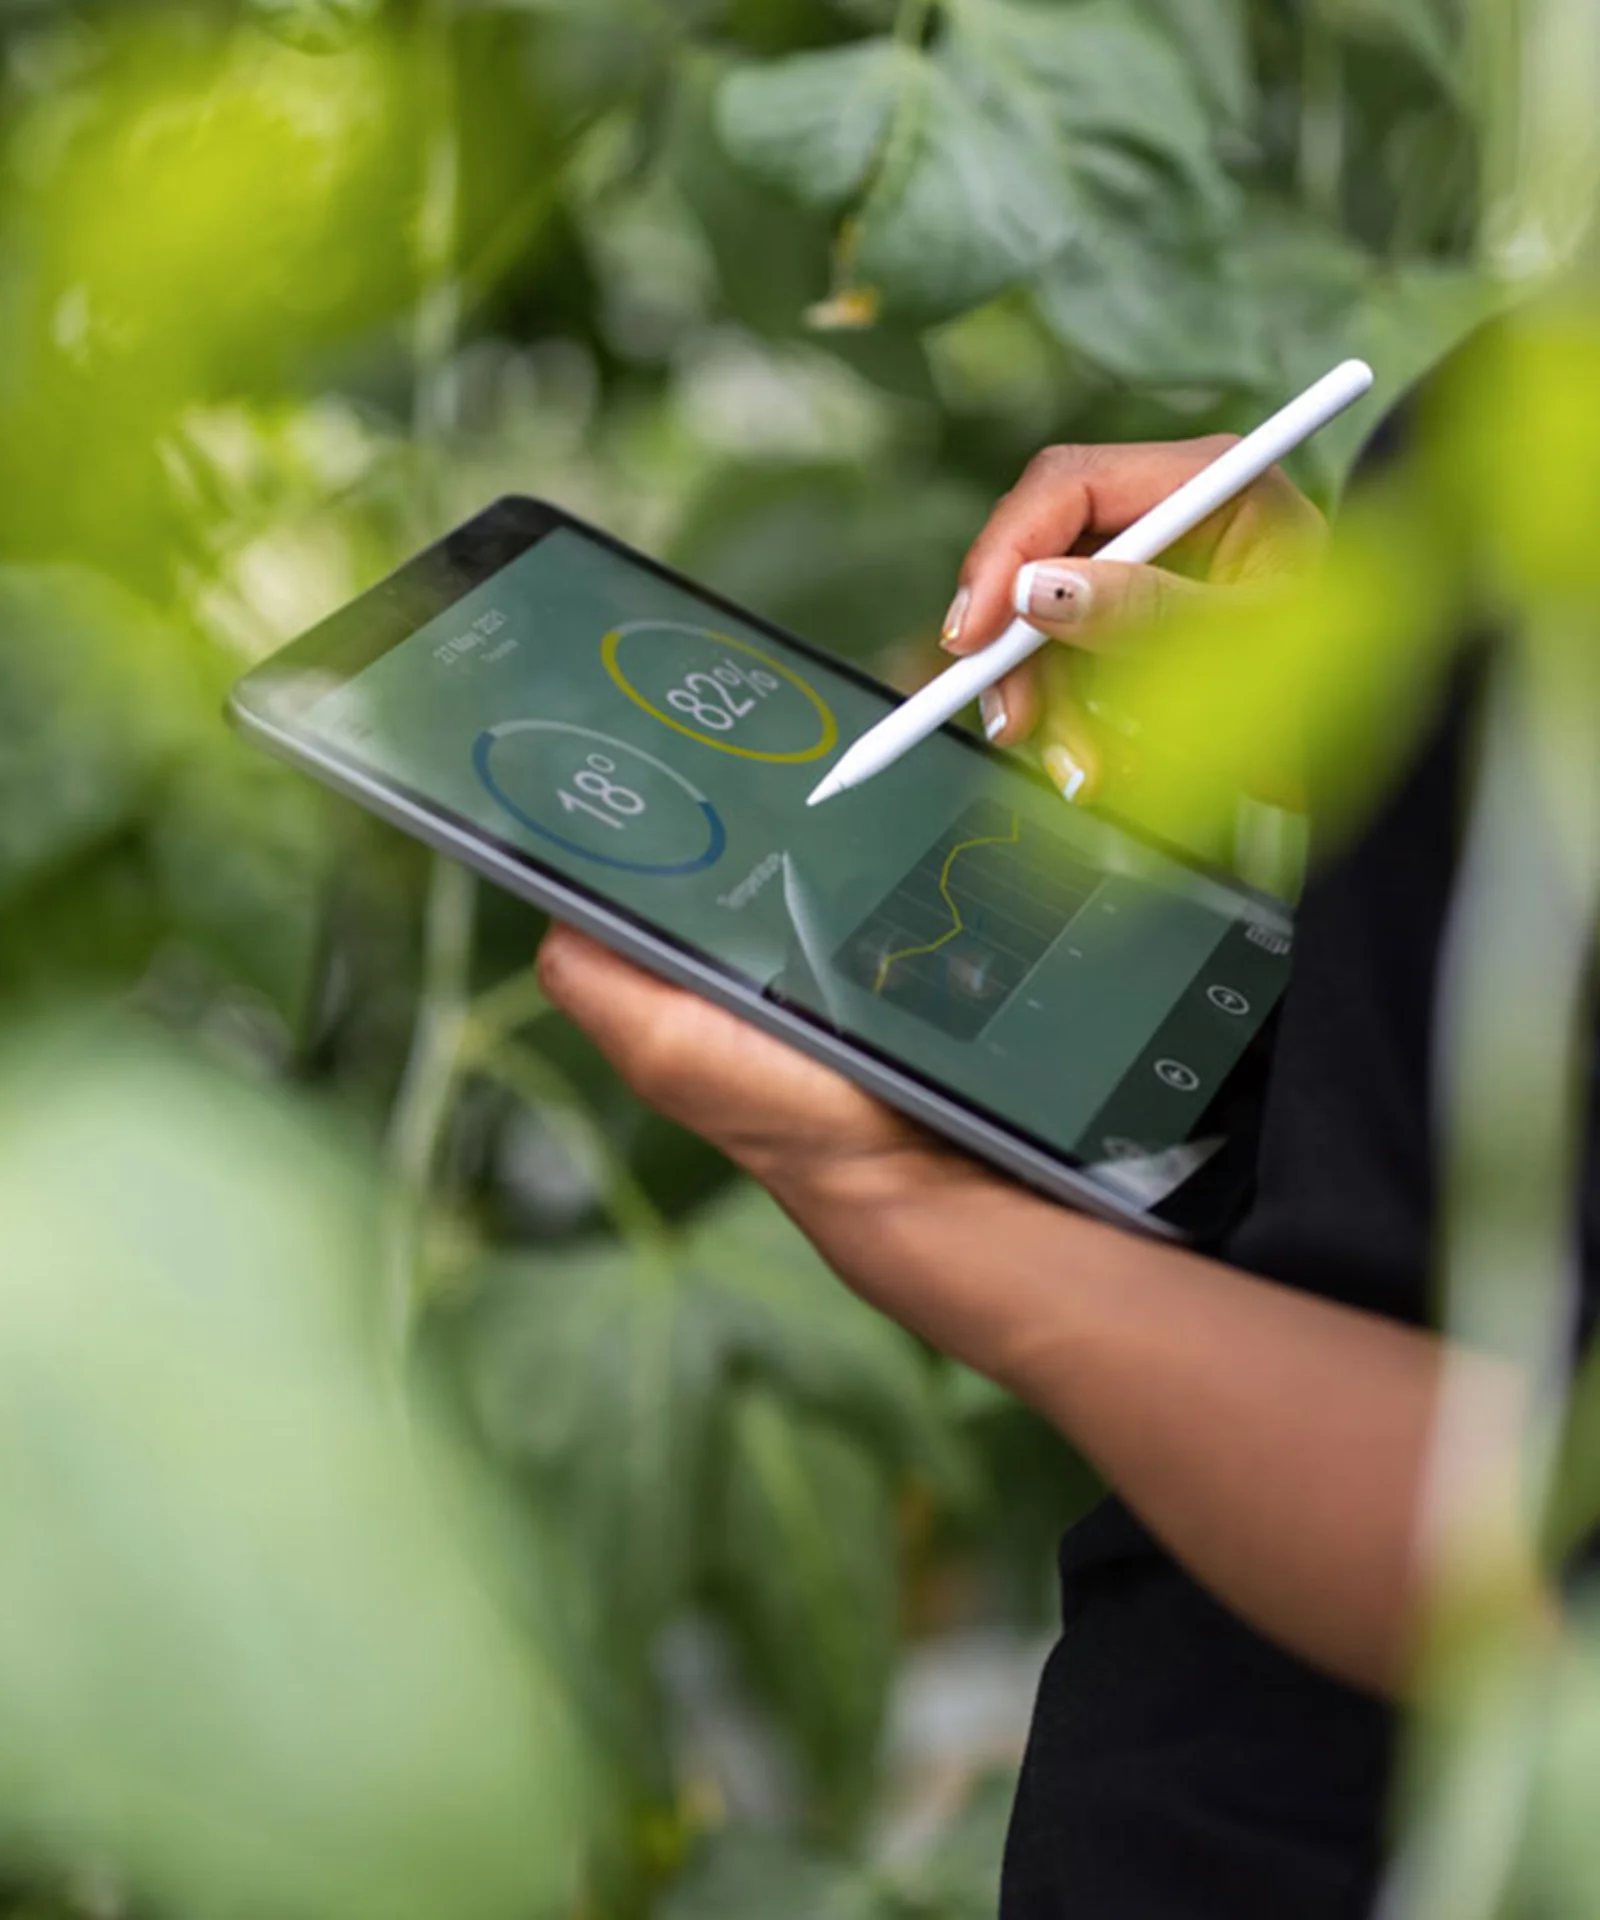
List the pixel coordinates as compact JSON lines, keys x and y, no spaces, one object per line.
{"x":1046,"y":590}
{"x":1065,"y":772}
{"x":955,"y":619}
{"x":993,"y":708}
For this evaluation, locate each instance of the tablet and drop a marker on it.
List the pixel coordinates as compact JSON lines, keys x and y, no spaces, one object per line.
{"x":1050,"y":989}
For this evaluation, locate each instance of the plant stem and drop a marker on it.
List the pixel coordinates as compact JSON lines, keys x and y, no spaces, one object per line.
{"x":545,"y":1088}
{"x":1321,"y":155}
{"x":427,"y":1090}
{"x":428,"y":1086}
{"x":911,"y":22}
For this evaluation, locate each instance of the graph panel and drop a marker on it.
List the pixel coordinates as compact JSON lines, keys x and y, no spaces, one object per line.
{"x":957,"y":935}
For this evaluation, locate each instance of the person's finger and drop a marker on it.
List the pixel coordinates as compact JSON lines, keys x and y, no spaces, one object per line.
{"x":1065,"y":495}
{"x":1070,"y":747}
{"x":1084,"y":602}
{"x":1010,"y":708}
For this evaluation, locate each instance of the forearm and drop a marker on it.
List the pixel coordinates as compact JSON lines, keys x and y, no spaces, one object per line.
{"x":1276,"y":1443}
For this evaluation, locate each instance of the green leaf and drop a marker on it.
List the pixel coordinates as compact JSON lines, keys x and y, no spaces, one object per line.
{"x":806,"y":1560}
{"x":962,"y":205}
{"x":1432,"y":31}
{"x":1154,"y":311}
{"x":315,"y":26}
{"x":965,"y":169}
{"x":1214,"y":43}
{"x":740,"y":1873}
{"x":783,"y":1315}
{"x":1088,"y":72}
{"x":241,"y":849}
{"x":814,"y":123}
{"x":595,"y":1371}
{"x":95,"y":696}
{"x":254,"y":1651}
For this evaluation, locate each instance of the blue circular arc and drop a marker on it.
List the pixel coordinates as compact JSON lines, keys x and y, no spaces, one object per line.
{"x":484,"y":746}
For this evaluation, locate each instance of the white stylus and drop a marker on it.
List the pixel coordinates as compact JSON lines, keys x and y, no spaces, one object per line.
{"x":1178,"y":514}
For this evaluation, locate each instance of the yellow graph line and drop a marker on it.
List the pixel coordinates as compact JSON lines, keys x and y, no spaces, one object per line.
{"x":890,"y":960}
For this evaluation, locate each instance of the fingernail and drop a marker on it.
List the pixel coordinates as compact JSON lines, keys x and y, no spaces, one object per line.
{"x":993,"y":708}
{"x":1049,"y":591}
{"x":955,"y":619}
{"x":1065,"y":772}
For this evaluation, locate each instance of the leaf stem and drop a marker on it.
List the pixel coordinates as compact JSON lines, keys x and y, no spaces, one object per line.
{"x":428,"y":1086}
{"x":541,"y":1085}
{"x":1321,"y":155}
{"x":911,"y":22}
{"x":427,"y":1091}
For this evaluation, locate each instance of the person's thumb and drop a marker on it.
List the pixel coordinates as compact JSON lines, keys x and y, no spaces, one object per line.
{"x":1085,"y":602}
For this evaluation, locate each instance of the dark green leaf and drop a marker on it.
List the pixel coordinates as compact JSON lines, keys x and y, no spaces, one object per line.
{"x":815,"y":123}
{"x":1146,"y":309}
{"x":95,"y":696}
{"x":782,"y":1314}
{"x":1214,"y":41}
{"x":1432,"y":31}
{"x":595,"y":1372}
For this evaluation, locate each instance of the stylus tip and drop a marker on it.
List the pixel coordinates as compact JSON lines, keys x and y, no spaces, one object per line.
{"x":825,"y":790}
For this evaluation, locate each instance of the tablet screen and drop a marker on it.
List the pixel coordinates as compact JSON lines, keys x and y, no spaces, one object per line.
{"x":1043,"y":965}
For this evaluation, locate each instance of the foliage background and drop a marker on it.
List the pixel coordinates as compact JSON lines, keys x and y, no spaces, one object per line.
{"x":380,"y":1557}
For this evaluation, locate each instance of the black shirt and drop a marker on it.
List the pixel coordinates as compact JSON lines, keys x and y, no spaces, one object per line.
{"x":1180,"y":1767}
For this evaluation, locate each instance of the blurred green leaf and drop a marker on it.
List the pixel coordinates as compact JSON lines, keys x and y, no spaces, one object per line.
{"x":1432,"y":31}
{"x":248,"y":1651}
{"x":806,"y":1566}
{"x":1214,"y":42}
{"x":968,"y":167}
{"x":595,"y":1371}
{"x":785,"y":1318}
{"x":741,"y":1873}
{"x":315,"y":26}
{"x":95,"y":697}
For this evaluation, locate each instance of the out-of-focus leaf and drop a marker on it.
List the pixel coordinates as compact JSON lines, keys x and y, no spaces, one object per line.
{"x":845,"y":557}
{"x":1313,"y":299}
{"x":806,"y":1564}
{"x":241,"y":851}
{"x":968,"y":167}
{"x":741,"y":1873}
{"x":249,"y":1652}
{"x":1432,"y":31}
{"x":783,"y":1315}
{"x":1214,"y":41}
{"x":595,"y":1371}
{"x":1167,"y":311}
{"x":815,"y":124}
{"x":1335,"y":676}
{"x":315,"y":26}
{"x":95,"y":695}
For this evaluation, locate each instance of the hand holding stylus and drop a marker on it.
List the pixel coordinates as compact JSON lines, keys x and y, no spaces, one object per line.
{"x":1072,"y":500}
{"x":1233,"y":470}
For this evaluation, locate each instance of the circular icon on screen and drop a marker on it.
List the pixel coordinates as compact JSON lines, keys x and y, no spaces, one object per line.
{"x":725,"y":693}
{"x":598,"y":797}
{"x":1175,"y":1074}
{"x":1228,"y":999}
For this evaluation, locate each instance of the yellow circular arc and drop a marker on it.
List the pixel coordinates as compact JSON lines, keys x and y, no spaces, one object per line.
{"x":612,"y":643}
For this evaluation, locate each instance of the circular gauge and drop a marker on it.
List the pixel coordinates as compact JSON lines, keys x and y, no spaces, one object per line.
{"x":723,"y":692}
{"x":599,"y":797}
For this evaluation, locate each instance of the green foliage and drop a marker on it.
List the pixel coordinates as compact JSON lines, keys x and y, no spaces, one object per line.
{"x":789,"y":290}
{"x":714,"y":1414}
{"x":251,"y":1650}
